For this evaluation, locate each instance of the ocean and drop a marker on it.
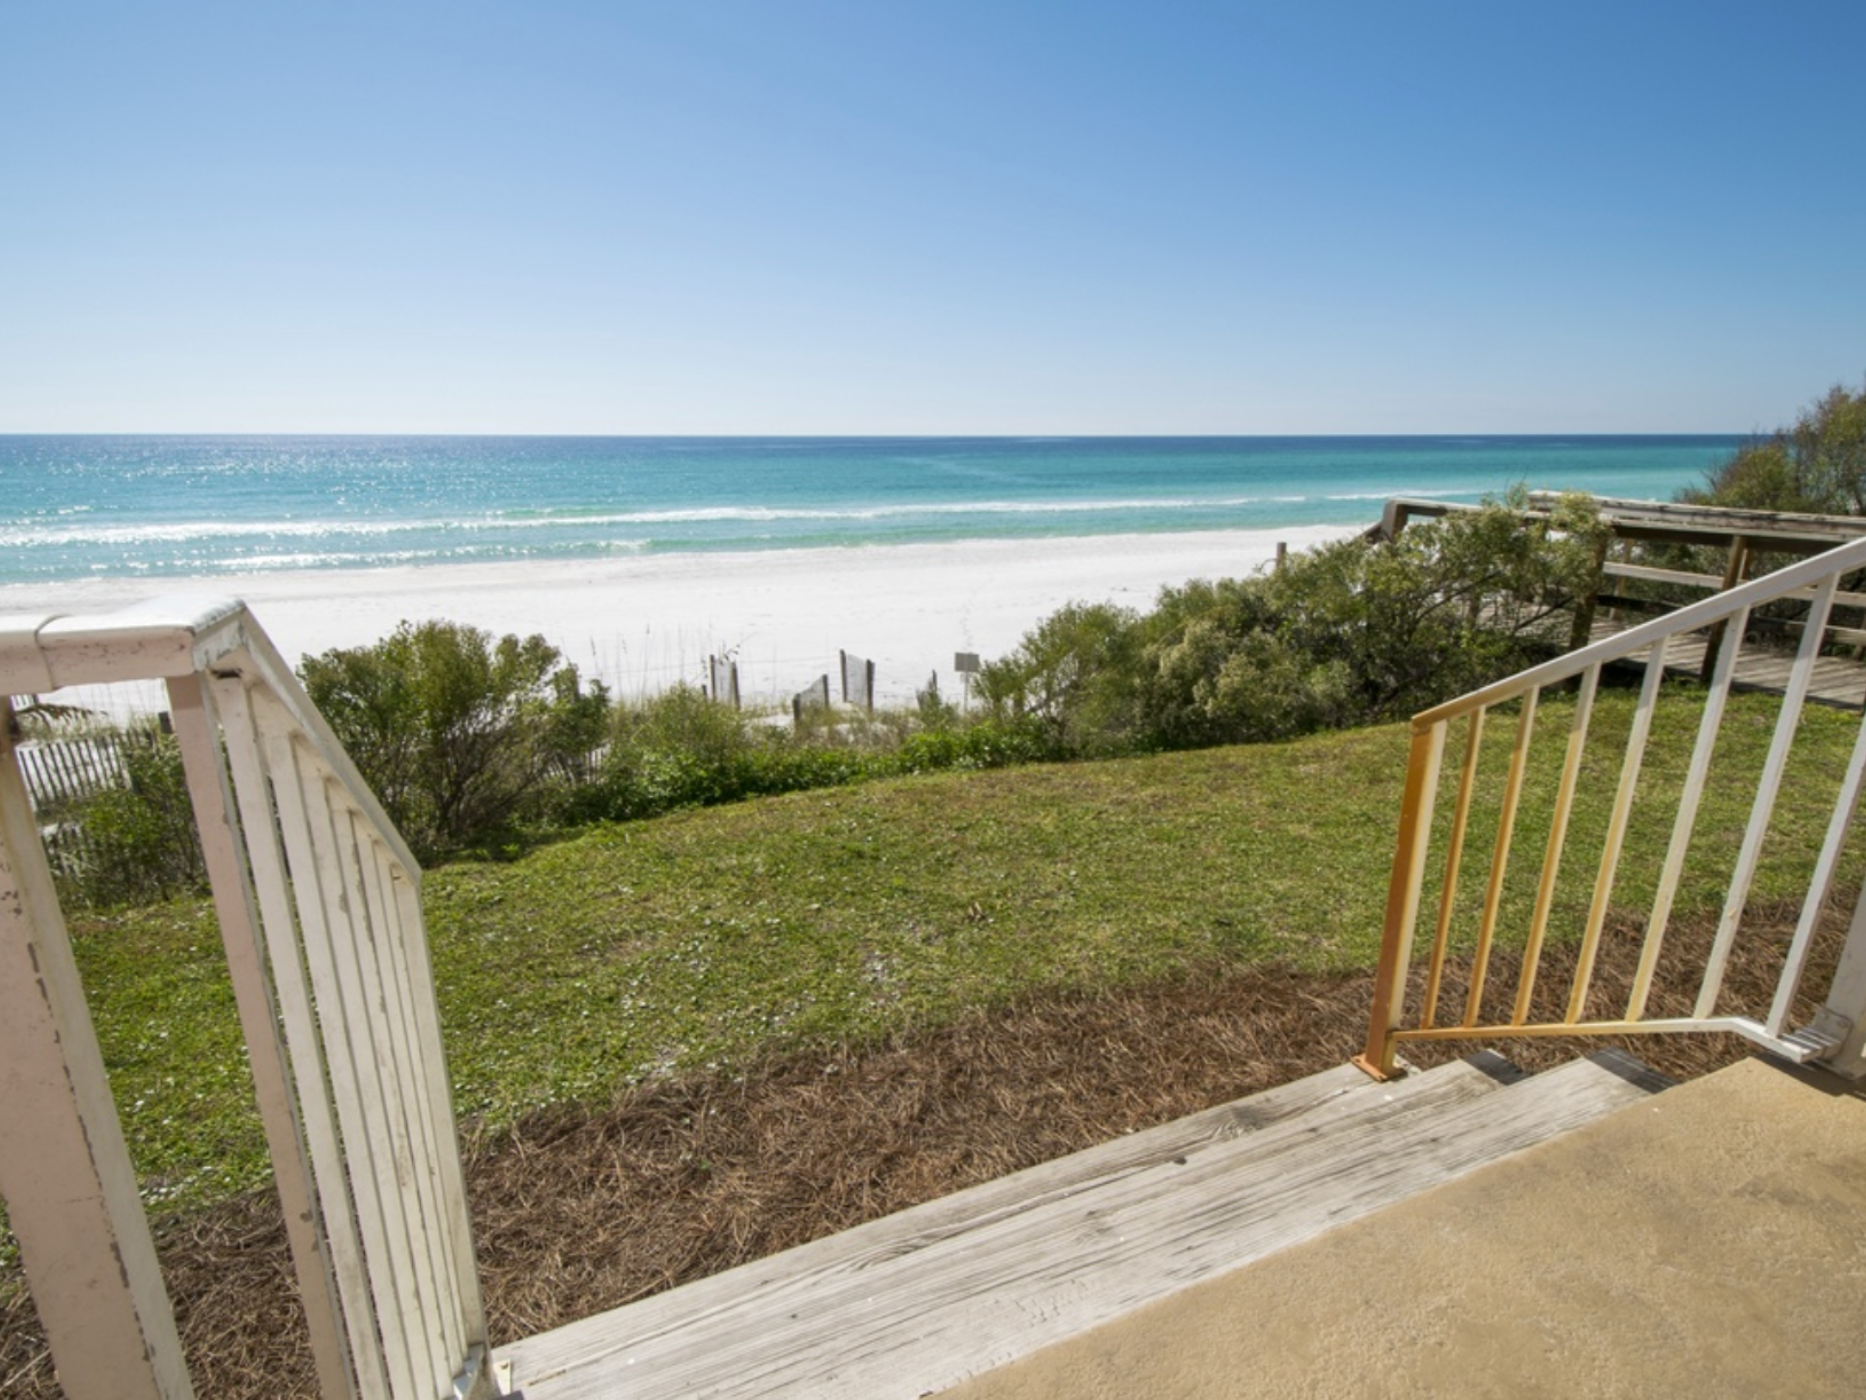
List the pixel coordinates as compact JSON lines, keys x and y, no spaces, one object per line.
{"x":113,"y":507}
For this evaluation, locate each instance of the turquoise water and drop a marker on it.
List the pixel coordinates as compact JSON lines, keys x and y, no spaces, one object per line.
{"x":78,"y":507}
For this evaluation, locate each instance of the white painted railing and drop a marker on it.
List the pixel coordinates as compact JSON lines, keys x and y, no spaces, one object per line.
{"x":1837,"y":1035}
{"x":318,"y":907}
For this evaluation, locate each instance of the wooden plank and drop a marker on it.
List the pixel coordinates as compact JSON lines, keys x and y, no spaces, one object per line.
{"x":1454,"y":857}
{"x":1723,"y":520}
{"x":367,"y":874}
{"x":376,"y":982}
{"x":964,"y":1211}
{"x":236,"y":910}
{"x":1767,"y":787}
{"x":1339,"y":1094}
{"x":1821,"y":885}
{"x":890,"y":1324}
{"x":1500,"y":857}
{"x":346,"y":940}
{"x":64,"y":1170}
{"x":1415,"y":836}
{"x":240,"y":713}
{"x":1690,"y":797}
{"x":1737,"y":562}
{"x":403,"y":892}
{"x":1616,"y":829}
{"x":1655,"y":575}
{"x":1558,"y":836}
{"x":343,"y":1018}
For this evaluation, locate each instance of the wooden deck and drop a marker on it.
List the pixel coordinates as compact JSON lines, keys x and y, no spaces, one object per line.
{"x":1839,"y":681}
{"x":917,"y":1302}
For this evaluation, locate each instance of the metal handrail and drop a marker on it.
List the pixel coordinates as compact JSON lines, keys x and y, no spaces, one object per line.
{"x":1838,"y":1035}
{"x":317,"y":900}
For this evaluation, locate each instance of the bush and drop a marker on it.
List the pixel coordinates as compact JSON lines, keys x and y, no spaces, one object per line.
{"x":1352,"y":633}
{"x":460,"y":737}
{"x":1074,"y":674}
{"x":131,"y":844}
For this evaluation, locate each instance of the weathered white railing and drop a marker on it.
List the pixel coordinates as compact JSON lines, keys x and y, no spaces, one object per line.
{"x":1837,"y":1036}
{"x":318,"y":908}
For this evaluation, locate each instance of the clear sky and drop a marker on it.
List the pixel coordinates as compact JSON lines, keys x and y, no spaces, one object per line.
{"x":708,"y":216}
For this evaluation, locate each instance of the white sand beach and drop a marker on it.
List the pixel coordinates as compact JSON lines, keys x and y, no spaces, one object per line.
{"x":645,"y":623}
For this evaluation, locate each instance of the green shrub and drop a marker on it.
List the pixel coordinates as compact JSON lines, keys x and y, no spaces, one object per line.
{"x":136,"y":843}
{"x":1351,"y":633}
{"x":461,"y":738}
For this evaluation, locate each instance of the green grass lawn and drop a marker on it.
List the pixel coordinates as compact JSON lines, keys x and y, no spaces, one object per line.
{"x":710,"y":938}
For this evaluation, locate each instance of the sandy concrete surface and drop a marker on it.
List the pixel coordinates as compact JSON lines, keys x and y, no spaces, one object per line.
{"x":1708,"y":1242}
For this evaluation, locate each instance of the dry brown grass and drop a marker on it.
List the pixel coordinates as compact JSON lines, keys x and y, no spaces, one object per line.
{"x":577,"y":1212}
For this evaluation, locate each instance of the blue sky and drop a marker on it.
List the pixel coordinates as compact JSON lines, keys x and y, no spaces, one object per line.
{"x":1345,"y":216}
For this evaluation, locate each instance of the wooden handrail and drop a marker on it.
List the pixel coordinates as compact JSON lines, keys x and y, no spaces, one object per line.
{"x":317,"y":900}
{"x":1838,"y":1037}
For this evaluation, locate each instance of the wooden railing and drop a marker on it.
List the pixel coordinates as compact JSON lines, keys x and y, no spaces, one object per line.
{"x":1409,"y":1009}
{"x":317,"y":902}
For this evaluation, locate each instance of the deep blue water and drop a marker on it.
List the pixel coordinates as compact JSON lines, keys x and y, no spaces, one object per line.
{"x":75,"y":507}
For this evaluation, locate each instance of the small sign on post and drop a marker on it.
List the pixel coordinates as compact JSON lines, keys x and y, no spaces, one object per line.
{"x":966,"y":664}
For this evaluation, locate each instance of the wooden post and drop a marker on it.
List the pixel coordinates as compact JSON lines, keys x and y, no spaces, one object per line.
{"x":1583,"y":631}
{"x":64,"y":1170}
{"x":1415,"y":834}
{"x":1734,"y":566}
{"x":1844,"y":1015}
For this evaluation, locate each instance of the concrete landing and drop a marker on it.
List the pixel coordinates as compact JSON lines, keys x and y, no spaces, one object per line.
{"x":1708,"y":1241}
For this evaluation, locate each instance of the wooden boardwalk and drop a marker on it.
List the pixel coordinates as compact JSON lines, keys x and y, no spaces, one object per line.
{"x":1839,"y":681}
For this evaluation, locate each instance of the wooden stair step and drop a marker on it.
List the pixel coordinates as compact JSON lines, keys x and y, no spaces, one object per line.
{"x":917,"y":1301}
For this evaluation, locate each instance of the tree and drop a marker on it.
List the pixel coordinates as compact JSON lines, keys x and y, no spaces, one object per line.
{"x":453,"y":731}
{"x":1073,"y":672}
{"x":1817,"y":466}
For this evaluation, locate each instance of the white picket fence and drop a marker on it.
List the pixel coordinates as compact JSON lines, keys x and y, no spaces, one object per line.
{"x":317,"y":901}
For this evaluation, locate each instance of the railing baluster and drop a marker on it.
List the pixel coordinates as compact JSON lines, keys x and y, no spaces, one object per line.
{"x":1500,"y":857}
{"x":445,"y":1340}
{"x":435,"y":1120}
{"x":1766,"y":789}
{"x":347,"y":1046}
{"x":1690,"y":797}
{"x":1616,"y":828}
{"x":406,"y":898}
{"x":261,"y":819}
{"x":1558,"y":836}
{"x":376,"y":981}
{"x":1819,"y":887}
{"x":1454,"y":856}
{"x":399,"y":1293}
{"x":236,"y":911}
{"x":1415,"y":836}
{"x":64,"y":1168}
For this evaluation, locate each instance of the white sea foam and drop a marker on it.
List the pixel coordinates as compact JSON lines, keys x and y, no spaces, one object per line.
{"x":179,"y":532}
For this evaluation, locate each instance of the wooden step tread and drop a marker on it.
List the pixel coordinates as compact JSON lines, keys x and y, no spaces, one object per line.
{"x":920,"y":1300}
